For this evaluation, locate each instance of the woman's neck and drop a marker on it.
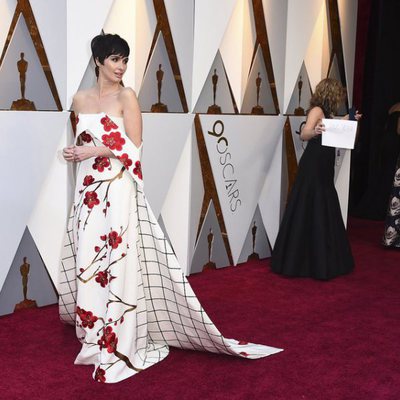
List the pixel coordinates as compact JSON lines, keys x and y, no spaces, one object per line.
{"x":105,"y":88}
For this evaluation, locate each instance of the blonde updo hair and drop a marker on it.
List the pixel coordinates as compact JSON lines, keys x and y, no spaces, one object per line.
{"x":328,"y":94}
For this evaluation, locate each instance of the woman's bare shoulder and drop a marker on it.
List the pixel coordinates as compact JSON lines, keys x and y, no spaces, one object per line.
{"x":81,"y":97}
{"x":127,"y":93}
{"x":316,"y":112}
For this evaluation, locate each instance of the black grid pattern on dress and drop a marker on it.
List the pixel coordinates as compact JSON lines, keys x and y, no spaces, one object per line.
{"x":174,"y":314}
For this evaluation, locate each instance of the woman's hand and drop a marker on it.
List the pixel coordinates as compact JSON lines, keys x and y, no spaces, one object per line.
{"x":357,"y":116}
{"x":319,"y":128}
{"x":82,"y":153}
{"x":68,"y":153}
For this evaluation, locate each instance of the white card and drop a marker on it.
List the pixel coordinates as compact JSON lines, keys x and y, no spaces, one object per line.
{"x":339,"y":133}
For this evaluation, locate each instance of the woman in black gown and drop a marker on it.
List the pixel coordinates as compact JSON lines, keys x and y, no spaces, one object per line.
{"x":312,"y":240}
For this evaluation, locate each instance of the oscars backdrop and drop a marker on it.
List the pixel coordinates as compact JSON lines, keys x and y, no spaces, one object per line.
{"x":223,"y":85}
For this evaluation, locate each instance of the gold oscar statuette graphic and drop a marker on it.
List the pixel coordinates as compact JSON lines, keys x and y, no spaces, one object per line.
{"x":299,"y":110}
{"x":254,"y":255}
{"x":214,"y":109}
{"x":26,"y":303}
{"x":22,"y":104}
{"x":159,"y":107}
{"x":258,"y":110}
{"x":210,"y":264}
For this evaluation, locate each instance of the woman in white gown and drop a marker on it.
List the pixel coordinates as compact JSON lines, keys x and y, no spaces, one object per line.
{"x":120,"y":282}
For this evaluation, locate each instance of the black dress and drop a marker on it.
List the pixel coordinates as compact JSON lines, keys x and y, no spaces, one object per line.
{"x":312,"y":240}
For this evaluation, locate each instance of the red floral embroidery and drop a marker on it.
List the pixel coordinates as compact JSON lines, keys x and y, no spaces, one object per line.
{"x":114,"y":239}
{"x":100,"y":163}
{"x":244,"y":354}
{"x":100,"y":375}
{"x":109,"y":340}
{"x":113,"y":141}
{"x":125,"y":160}
{"x":86,"y":137}
{"x":91,"y":199}
{"x":88,"y":180}
{"x":242,"y":342}
{"x":108,"y":124}
{"x":103,"y":237}
{"x":102,"y":278}
{"x":97,"y":249}
{"x":87,"y":318}
{"x":138,"y":169}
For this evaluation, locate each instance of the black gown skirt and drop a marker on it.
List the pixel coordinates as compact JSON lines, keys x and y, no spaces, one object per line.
{"x":312,"y":239}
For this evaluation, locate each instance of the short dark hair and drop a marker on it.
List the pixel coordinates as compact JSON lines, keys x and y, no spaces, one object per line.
{"x":104,"y":46}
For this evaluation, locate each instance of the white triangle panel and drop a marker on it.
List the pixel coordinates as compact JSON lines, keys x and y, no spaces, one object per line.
{"x":302,"y":17}
{"x":121,"y":20}
{"x":300,"y":99}
{"x":348,"y":27}
{"x":326,"y":46}
{"x":276,"y":15}
{"x":85,"y":20}
{"x":164,"y":137}
{"x":181,"y":21}
{"x":256,"y":239}
{"x":299,"y":145}
{"x":148,"y":94}
{"x":211,"y":21}
{"x":7,"y":9}
{"x":231,"y":50}
{"x":223,"y":96}
{"x":236,"y":154}
{"x":210,"y":245}
{"x":48,"y":220}
{"x":89,"y":77}
{"x":176,"y":208}
{"x":342,"y":179}
{"x":30,"y":140}
{"x":313,"y":59}
{"x":51,"y":20}
{"x":270,"y":197}
{"x":146,"y":22}
{"x":36,"y":86}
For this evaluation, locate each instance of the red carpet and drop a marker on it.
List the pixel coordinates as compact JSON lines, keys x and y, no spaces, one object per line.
{"x":341,"y":339}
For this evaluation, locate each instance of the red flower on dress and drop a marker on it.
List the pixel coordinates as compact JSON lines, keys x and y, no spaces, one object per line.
{"x":114,"y":239}
{"x":100,"y":163}
{"x":138,"y":169}
{"x":103,"y":237}
{"x":109,"y":340}
{"x":242,"y":342}
{"x":100,"y":375}
{"x":86,"y":137}
{"x":96,"y":249}
{"x":87,"y":318}
{"x":126,"y":161}
{"x":244,"y":354}
{"x":113,"y":141}
{"x":88,"y":180}
{"x":108,"y":124}
{"x":102,"y":278}
{"x":91,"y":199}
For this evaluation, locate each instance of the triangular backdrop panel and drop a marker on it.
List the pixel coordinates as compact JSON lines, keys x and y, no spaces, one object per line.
{"x":210,"y":245}
{"x":299,"y":145}
{"x":48,"y":220}
{"x":39,"y":285}
{"x":36,"y":87}
{"x":342,"y":179}
{"x":85,"y":19}
{"x":236,"y":155}
{"x":258,"y":71}
{"x":121,"y":20}
{"x":164,"y":136}
{"x":257,"y":236}
{"x":348,"y":27}
{"x":275,"y":18}
{"x":270,"y":197}
{"x":89,"y":78}
{"x":211,"y":21}
{"x":314,"y":56}
{"x":300,"y":100}
{"x":233,"y":55}
{"x":326,"y":46}
{"x":181,"y":21}
{"x":223,"y":96}
{"x":145,"y":26}
{"x":302,"y":17}
{"x":7,"y":9}
{"x":51,"y":20}
{"x":148,"y":94}
{"x":30,"y":140}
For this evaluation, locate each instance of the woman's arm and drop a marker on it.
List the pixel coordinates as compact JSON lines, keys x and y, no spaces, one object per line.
{"x":132,"y":116}
{"x":313,"y":125}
